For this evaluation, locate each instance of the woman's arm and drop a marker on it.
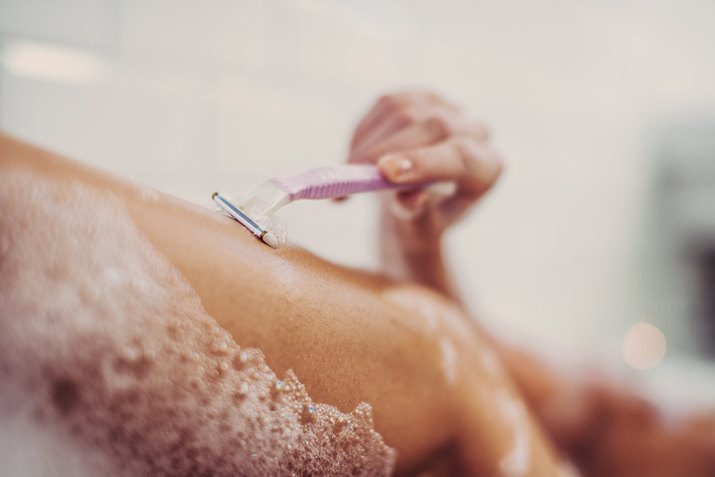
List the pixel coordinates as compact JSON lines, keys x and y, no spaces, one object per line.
{"x":350,"y":337}
{"x":416,"y":138}
{"x":594,"y":419}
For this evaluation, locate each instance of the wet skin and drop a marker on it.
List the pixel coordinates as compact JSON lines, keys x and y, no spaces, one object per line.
{"x":349,"y":336}
{"x":352,"y":337}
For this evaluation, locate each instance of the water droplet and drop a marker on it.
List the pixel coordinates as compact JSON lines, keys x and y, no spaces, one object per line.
{"x":339,"y":425}
{"x":243,"y":359}
{"x":277,"y":388}
{"x":219,"y":370}
{"x":363,"y":414}
{"x":307,"y":415}
{"x":134,"y":361}
{"x":241,"y":392}
{"x":148,"y":194}
{"x":219,"y":347}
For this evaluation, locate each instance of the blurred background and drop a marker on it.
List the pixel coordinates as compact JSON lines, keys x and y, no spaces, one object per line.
{"x":599,"y":242}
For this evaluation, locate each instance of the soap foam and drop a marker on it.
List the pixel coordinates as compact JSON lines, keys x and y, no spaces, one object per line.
{"x":107,"y":353}
{"x":277,"y":226}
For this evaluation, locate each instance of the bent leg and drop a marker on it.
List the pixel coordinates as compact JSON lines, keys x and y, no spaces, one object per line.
{"x":348,"y":336}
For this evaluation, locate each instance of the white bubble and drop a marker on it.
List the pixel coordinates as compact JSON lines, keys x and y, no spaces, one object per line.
{"x":276,"y":225}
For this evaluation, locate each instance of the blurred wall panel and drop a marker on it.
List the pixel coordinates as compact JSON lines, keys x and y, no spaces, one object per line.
{"x":80,"y":22}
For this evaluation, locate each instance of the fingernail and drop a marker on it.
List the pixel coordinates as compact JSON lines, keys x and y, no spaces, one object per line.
{"x":395,"y":166}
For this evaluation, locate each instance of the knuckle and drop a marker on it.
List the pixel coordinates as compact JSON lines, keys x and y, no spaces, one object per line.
{"x":416,"y":157}
{"x":407,"y":116}
{"x":482,"y":165}
{"x":468,"y":152}
{"x":388,"y":101}
{"x":439,"y":126}
{"x":466,"y":148}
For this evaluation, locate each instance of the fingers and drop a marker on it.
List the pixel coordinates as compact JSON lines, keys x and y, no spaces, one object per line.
{"x":417,"y":138}
{"x":472,"y":165}
{"x":435,"y":128}
{"x":391,"y":105}
{"x":410,"y":121}
{"x":383,"y":128}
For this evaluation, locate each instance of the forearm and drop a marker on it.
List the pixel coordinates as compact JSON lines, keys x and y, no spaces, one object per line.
{"x":422,"y":262}
{"x":419,"y":138}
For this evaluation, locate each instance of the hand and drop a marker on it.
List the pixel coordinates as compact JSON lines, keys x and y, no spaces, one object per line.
{"x":419,"y":138}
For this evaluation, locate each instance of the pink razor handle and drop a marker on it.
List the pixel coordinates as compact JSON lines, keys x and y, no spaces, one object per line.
{"x":324,"y":183}
{"x":335,"y":181}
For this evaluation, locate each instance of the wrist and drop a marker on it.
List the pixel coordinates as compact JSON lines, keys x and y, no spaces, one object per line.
{"x":405,"y":247}
{"x":416,"y":260}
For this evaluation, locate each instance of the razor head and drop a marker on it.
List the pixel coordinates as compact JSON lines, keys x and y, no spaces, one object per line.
{"x":264,"y":200}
